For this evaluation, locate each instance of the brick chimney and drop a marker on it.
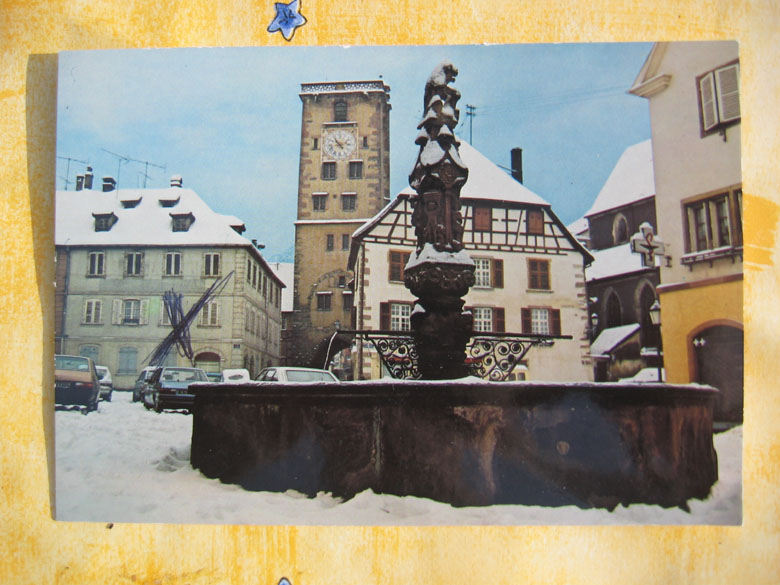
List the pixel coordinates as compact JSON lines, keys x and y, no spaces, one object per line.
{"x":177,"y":181}
{"x":109,"y":184}
{"x":88,"y":177}
{"x":517,"y":164}
{"x":79,"y":182}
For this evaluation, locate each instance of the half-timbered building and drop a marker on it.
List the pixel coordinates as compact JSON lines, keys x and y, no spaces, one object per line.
{"x":529,"y":273}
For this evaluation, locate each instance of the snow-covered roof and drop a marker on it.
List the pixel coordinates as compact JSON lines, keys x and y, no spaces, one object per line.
{"x":487,"y":181}
{"x":614,"y":262}
{"x":147,"y":222}
{"x":286,"y":273}
{"x":578,"y":227}
{"x":610,"y":338}
{"x":631,"y":180}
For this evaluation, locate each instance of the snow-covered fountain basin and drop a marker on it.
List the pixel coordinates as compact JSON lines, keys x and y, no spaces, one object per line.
{"x":465,"y":442}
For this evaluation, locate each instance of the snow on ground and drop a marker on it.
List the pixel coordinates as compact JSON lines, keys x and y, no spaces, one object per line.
{"x":126,"y":464}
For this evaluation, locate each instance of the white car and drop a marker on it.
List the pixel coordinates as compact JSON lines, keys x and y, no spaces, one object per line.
{"x":235,"y":375}
{"x":106,"y":383}
{"x":291,"y":374}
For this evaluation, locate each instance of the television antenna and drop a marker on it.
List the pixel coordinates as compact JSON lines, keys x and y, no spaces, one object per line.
{"x":122,"y":159}
{"x":66,"y":178}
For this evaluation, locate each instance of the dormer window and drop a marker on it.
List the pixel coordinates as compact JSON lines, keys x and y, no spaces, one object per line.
{"x":104,"y":221}
{"x":168,"y":202}
{"x":181,"y":222}
{"x":131,"y":203}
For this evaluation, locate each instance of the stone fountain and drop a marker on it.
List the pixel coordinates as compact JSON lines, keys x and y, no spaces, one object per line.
{"x":459,"y":441}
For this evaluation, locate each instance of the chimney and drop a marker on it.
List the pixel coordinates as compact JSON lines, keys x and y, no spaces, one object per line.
{"x":517,"y":164}
{"x":79,"y":182}
{"x":109,"y":184}
{"x":176,"y":181}
{"x":88,"y":176}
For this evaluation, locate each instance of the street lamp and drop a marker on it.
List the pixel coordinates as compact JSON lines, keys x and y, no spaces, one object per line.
{"x":655,"y":318}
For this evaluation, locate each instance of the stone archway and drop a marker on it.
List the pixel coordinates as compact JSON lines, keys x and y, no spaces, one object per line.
{"x":718,"y":360}
{"x":208,"y":361}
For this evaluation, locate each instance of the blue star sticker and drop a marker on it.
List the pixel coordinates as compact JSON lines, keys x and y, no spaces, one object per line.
{"x":287,"y":19}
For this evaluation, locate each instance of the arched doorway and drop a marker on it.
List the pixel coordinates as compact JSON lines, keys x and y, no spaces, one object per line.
{"x":208,"y":361}
{"x":719,"y":361}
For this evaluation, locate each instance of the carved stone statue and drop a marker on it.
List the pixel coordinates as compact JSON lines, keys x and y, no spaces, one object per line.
{"x":440,"y":272}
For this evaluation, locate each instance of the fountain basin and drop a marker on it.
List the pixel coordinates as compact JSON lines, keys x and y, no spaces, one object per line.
{"x":465,"y":442}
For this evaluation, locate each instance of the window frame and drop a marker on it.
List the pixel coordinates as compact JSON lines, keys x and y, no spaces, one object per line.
{"x":531,"y":226}
{"x":712,"y":82}
{"x":330,"y":167}
{"x":88,"y":315}
{"x":319,"y":202}
{"x":349,"y":202}
{"x":322,"y":305}
{"x":402,"y":317}
{"x":482,"y":218}
{"x":134,"y":267}
{"x":209,"y":314}
{"x":210,"y":259}
{"x":534,"y":274}
{"x":330,"y":242}
{"x":167,"y":265}
{"x":553,"y":320}
{"x":703,"y":224}
{"x":400,"y":263}
{"x":355,"y":170}
{"x":340,"y":110}
{"x":101,"y":264}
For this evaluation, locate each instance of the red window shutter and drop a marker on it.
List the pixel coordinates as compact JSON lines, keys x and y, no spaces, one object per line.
{"x":555,"y":320}
{"x":499,"y":320}
{"x":526,"y":319}
{"x":384,"y":316}
{"x":498,"y":273}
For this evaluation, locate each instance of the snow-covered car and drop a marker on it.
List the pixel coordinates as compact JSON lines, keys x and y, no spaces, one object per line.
{"x":235,"y":375}
{"x":76,"y":382}
{"x":169,"y":388}
{"x":292,"y":374}
{"x":141,"y":381}
{"x":106,"y":383}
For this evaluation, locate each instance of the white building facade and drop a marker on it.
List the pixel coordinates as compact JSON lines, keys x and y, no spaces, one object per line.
{"x":119,"y":251}
{"x":529,"y":273}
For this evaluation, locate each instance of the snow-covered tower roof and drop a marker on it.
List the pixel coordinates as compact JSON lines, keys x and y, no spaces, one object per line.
{"x":631,"y":180}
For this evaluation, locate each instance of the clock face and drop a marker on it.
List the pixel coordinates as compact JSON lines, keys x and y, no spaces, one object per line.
{"x":339,"y":144}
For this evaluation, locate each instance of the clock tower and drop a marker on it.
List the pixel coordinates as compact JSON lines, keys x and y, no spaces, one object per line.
{"x":343,"y":180}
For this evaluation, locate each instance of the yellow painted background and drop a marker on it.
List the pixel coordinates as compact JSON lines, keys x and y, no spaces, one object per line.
{"x":34,"y":549}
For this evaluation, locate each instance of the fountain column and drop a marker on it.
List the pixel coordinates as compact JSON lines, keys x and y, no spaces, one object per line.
{"x":440,"y":272}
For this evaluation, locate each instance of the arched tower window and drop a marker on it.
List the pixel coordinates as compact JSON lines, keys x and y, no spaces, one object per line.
{"x":340,"y":111}
{"x":614,"y":311}
{"x":620,"y":229}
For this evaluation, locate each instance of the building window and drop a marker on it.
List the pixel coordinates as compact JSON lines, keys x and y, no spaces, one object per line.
{"x":714,"y":222}
{"x":323,"y":301}
{"x":483,"y":219}
{"x":488,"y":319}
{"x":356,"y":169}
{"x":620,"y":229}
{"x":93,"y":312}
{"x":181,"y":222}
{"x":128,"y":360}
{"x":329,"y":243}
{"x":347,"y":300}
{"x":397,"y":261}
{"x":395,"y":316}
{"x":134,"y":263}
{"x":340,"y":111}
{"x":489,"y":272}
{"x":90,"y":351}
{"x":328,"y":171}
{"x":172,"y":264}
{"x":211,"y":264}
{"x":348,"y":201}
{"x":104,"y":221}
{"x":535,"y":222}
{"x":719,"y":98}
{"x":265,"y":285}
{"x":209,"y":314}
{"x":539,"y":274}
{"x":365,"y":141}
{"x":315,"y":144}
{"x":319,"y":201}
{"x":131,"y":312}
{"x":96,"y":264}
{"x":345,"y":241}
{"x":541,"y":321}
{"x":614,"y":311}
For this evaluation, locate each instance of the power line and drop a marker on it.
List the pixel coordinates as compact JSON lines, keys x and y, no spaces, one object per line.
{"x":122,"y":159}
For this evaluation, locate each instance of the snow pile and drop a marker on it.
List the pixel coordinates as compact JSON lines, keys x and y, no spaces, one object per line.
{"x":126,"y":464}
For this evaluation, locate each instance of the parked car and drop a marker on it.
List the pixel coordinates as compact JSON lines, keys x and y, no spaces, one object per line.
{"x":106,"y":383}
{"x":141,"y":381}
{"x":214,"y":376}
{"x":168,"y":388}
{"x":290,"y":374}
{"x":235,"y":375}
{"x":76,"y":382}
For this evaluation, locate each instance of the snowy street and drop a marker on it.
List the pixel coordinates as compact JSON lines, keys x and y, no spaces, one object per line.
{"x":124,"y":463}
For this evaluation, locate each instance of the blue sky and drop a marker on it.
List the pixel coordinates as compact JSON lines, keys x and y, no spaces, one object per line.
{"x":228,"y":120}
